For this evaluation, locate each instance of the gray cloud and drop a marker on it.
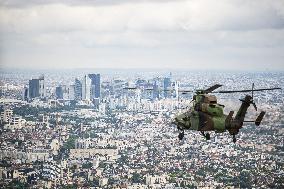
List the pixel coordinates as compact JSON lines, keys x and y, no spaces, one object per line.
{"x":216,"y":34}
{"x":28,"y":3}
{"x":193,"y":15}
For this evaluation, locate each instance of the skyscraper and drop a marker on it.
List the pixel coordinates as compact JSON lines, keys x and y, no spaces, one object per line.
{"x":156,"y":94}
{"x":176,"y":87}
{"x":26,"y":93}
{"x":86,"y":88}
{"x":36,"y":88}
{"x":59,"y":92}
{"x":167,"y":85}
{"x":78,"y":89}
{"x":68,"y":92}
{"x":95,"y":85}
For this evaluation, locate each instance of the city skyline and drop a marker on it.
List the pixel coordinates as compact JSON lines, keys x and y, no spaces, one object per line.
{"x":197,"y":35}
{"x":125,"y":139}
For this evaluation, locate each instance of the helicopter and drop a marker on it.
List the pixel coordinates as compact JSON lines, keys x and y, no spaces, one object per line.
{"x":206,"y":114}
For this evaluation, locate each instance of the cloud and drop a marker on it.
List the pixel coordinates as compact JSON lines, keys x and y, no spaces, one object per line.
{"x":191,"y":15}
{"x":165,"y":31}
{"x":28,"y":3}
{"x":233,"y":15}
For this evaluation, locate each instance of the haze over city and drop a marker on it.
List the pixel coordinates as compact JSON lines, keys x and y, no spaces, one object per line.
{"x":204,"y":34}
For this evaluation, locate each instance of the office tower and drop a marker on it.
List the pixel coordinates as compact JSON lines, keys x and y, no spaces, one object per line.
{"x":176,"y":87}
{"x":95,"y":85}
{"x":167,"y":85}
{"x":86,"y":88}
{"x":156,"y":94}
{"x":78,"y":89}
{"x":26,"y":93}
{"x":117,"y":87}
{"x":36,"y":88}
{"x":59,"y":92}
{"x":33,"y":88}
{"x":68,"y":92}
{"x":41,"y":87}
{"x":71,"y":92}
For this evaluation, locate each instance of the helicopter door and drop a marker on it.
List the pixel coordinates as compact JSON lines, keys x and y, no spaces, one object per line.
{"x":194,"y":120}
{"x":205,"y":122}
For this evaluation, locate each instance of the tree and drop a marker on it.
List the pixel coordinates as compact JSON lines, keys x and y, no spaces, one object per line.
{"x":86,"y":135}
{"x":137,"y":178}
{"x":70,"y":144}
{"x":87,"y":165}
{"x":17,"y":184}
{"x":245,"y":179}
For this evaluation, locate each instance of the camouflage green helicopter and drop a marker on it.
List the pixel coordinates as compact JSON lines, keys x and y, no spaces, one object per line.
{"x":207,"y":115}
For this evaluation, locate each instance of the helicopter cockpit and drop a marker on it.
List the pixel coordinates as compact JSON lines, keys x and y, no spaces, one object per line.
{"x":207,"y":104}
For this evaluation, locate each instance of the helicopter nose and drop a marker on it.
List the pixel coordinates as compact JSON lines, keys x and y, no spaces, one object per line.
{"x":177,"y":124}
{"x":175,"y":121}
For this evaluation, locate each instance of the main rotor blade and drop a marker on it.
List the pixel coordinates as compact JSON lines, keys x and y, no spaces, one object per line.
{"x":210,"y":89}
{"x":248,"y":90}
{"x":130,"y":88}
{"x":171,"y":90}
{"x":185,"y":91}
{"x":157,"y":89}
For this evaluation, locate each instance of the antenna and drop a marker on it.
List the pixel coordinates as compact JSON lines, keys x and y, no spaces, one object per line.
{"x":252,"y":90}
{"x":253,"y":103}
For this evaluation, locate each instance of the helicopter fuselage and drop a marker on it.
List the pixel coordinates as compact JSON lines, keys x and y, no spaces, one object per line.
{"x":207,"y":115}
{"x":201,"y":121}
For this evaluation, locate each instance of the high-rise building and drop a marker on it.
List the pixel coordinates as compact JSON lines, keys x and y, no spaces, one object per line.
{"x":78,"y":89}
{"x":167,"y":85}
{"x":36,"y":88}
{"x":59,"y":92}
{"x":176,"y":87}
{"x":71,"y":92}
{"x":156,"y":94}
{"x":86,"y":88}
{"x":95,"y":85}
{"x":33,"y":88}
{"x":26,"y":93}
{"x":68,"y":92}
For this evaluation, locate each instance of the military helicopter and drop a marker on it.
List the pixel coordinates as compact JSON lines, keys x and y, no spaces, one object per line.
{"x":207,"y":115}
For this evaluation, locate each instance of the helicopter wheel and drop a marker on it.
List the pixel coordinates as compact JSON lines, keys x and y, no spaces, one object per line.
{"x":181,"y":135}
{"x":234,"y":139}
{"x":207,"y":136}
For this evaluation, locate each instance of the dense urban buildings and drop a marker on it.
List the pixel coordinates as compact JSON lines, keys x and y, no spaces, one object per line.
{"x":85,"y":130}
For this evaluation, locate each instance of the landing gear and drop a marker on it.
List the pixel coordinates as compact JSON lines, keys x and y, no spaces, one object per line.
{"x":181,"y":135}
{"x":234,"y":139}
{"x":207,"y":135}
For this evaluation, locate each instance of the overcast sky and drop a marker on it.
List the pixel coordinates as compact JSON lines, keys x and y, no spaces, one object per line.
{"x":181,"y":34}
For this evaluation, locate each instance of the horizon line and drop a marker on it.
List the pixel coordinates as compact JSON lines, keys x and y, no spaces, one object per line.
{"x":7,"y":69}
